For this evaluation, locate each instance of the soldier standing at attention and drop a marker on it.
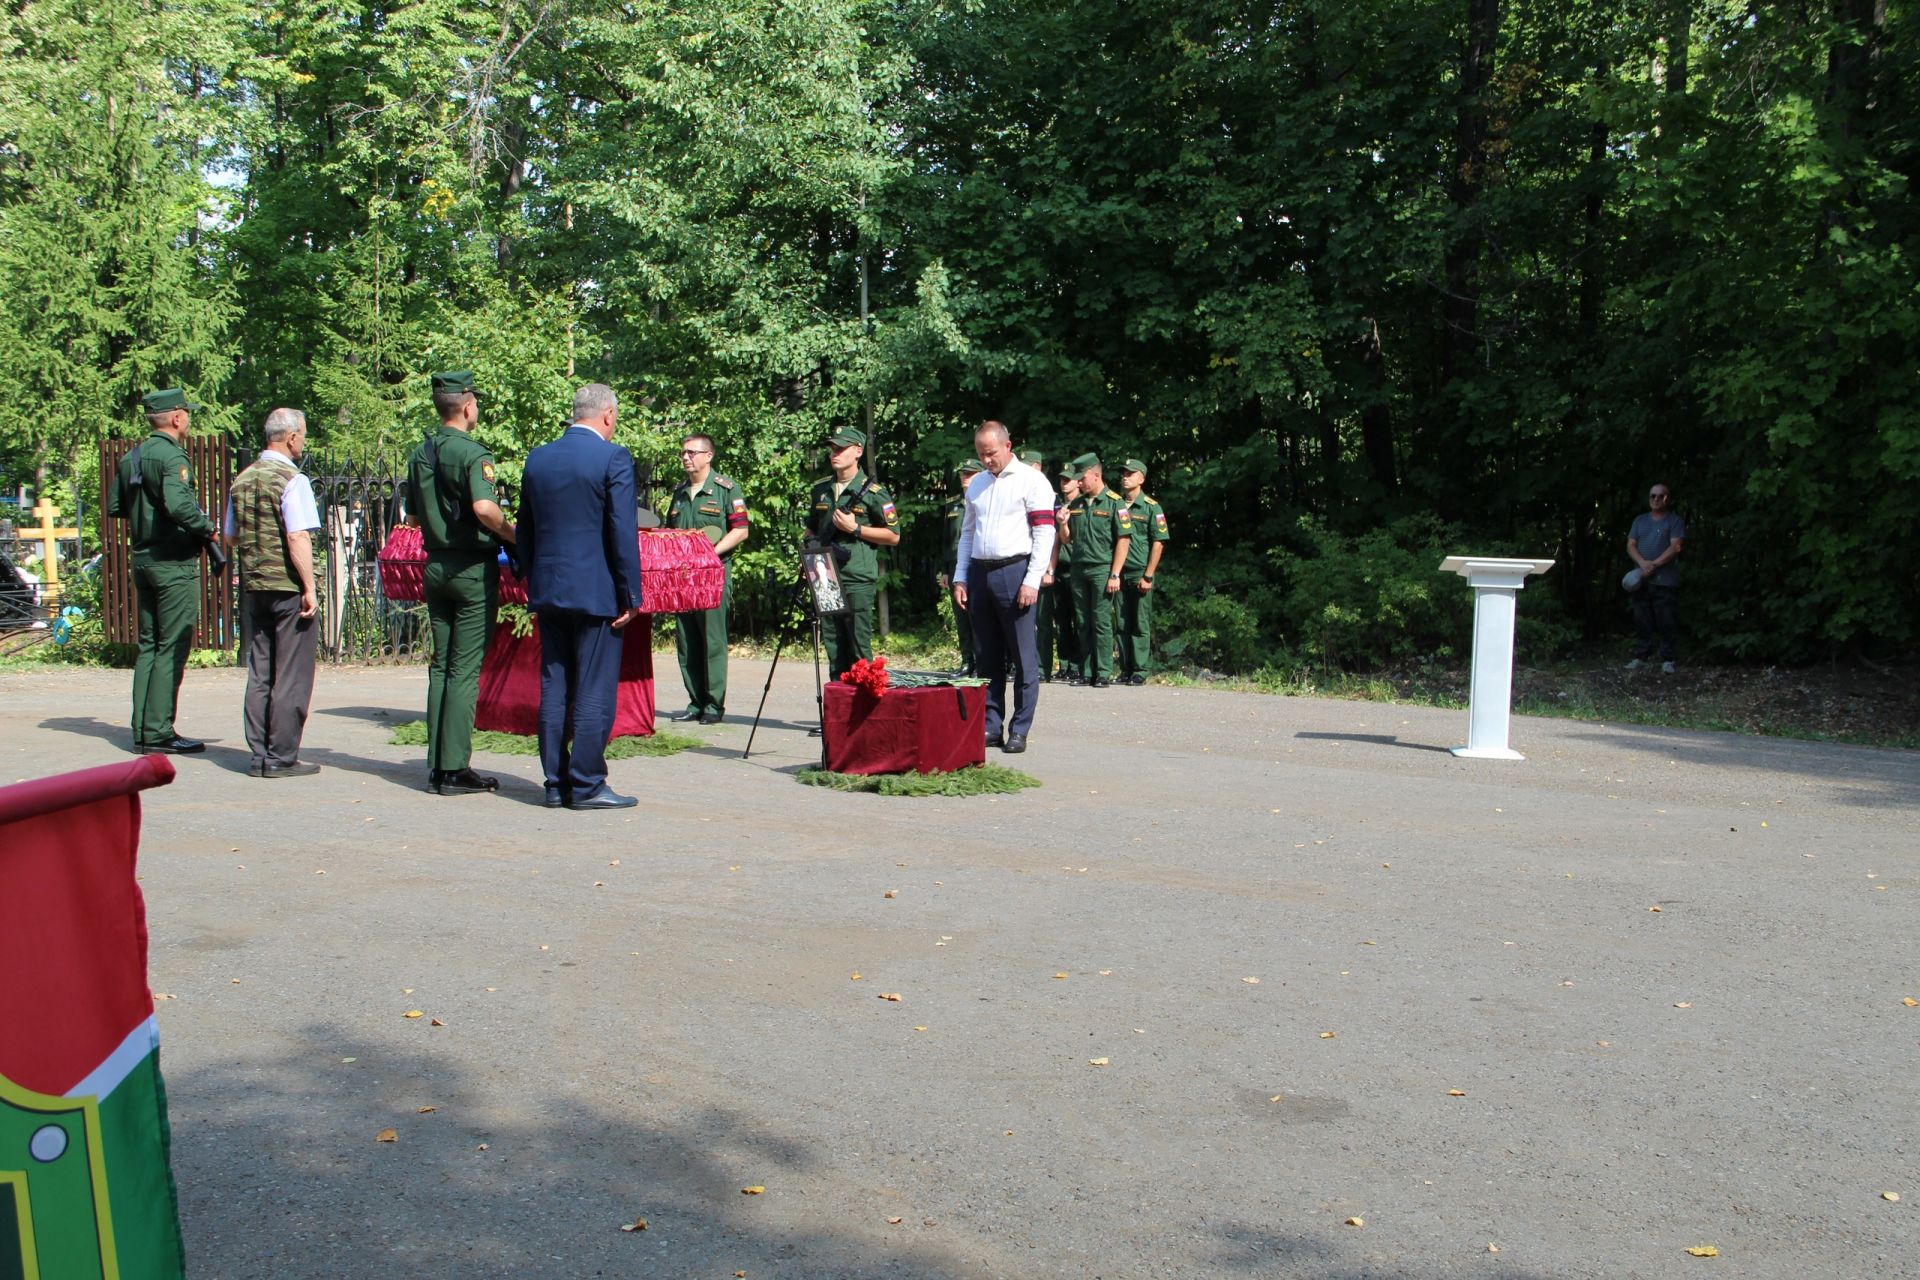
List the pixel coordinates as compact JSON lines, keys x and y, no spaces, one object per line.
{"x":956,"y":516}
{"x":1134,"y":603}
{"x":450,"y":495}
{"x":153,"y":491}
{"x":713,"y":504}
{"x":1060,"y":637}
{"x":1099,"y":529}
{"x":852,"y":516}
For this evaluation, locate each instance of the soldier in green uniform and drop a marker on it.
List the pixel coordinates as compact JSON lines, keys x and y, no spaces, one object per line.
{"x":450,"y":495}
{"x":1134,"y":603}
{"x":955,"y":513}
{"x":713,"y":504}
{"x":153,"y":490}
{"x":1099,"y":529}
{"x":852,"y":516}
{"x":1060,"y":637}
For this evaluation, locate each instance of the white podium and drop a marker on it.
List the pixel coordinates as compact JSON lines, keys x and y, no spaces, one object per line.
{"x":1496,"y":585}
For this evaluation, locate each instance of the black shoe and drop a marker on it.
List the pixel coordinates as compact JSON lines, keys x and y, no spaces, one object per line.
{"x":681,"y":717}
{"x":814,"y":732}
{"x":460,"y":782}
{"x":298,"y":769}
{"x":604,"y":798}
{"x":1099,"y":682}
{"x":713,"y":717}
{"x":556,"y":797}
{"x":175,"y":746}
{"x":995,"y":739}
{"x":1136,"y":678}
{"x":1016,"y":743}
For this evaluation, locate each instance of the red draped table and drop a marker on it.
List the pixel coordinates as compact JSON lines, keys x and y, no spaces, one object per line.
{"x":679,"y":573}
{"x":927,"y":729}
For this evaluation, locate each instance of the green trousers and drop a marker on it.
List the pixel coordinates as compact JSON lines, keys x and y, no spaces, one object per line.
{"x":463,"y":597}
{"x":701,"y":641}
{"x":1093,"y":622}
{"x":849,"y":637}
{"x":1133,"y":627}
{"x":167,"y":596}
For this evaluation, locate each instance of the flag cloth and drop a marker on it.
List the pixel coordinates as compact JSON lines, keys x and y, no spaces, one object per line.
{"x":86,"y":1187}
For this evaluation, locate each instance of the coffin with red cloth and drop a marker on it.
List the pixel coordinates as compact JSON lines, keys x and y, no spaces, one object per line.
{"x":679,"y":573}
{"x":875,"y":724}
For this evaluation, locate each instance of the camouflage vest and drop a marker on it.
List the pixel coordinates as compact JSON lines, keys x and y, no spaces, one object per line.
{"x":261,"y":535}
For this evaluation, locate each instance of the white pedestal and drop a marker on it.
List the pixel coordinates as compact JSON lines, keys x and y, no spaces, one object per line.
{"x":1496,"y":586}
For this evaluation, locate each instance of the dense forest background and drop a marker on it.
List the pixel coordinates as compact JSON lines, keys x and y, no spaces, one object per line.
{"x":1362,"y":283}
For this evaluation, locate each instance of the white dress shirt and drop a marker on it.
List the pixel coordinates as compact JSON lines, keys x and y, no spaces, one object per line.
{"x":1008,"y":515}
{"x":297,"y":508}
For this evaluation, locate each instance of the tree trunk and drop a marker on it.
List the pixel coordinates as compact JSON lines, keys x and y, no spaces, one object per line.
{"x":1461,"y":260}
{"x":1376,"y":412}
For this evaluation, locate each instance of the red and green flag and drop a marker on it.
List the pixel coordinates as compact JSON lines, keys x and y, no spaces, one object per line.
{"x":86,"y":1189}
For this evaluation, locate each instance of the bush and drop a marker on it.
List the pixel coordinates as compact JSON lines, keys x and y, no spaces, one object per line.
{"x":1361,"y":602}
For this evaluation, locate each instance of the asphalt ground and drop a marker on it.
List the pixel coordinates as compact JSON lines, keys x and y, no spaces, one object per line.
{"x":1471,"y":1031}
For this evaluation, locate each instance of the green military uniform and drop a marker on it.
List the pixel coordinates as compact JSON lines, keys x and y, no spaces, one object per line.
{"x":956,"y":517}
{"x":446,"y":475}
{"x":1094,"y":529}
{"x":850,"y":637}
{"x":1054,"y":633}
{"x":1133,"y":608}
{"x":714,"y":507}
{"x":153,"y":490}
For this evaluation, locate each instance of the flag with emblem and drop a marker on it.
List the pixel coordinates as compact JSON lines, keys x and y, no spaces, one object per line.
{"x":86,"y":1188}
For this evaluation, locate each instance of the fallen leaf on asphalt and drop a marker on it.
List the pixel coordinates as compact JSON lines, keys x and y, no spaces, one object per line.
{"x":1368,"y":942}
{"x":1492,"y":1247}
{"x":1276,"y":1097}
{"x":1910,"y":1002}
{"x":890,"y":995}
{"x":235,"y":981}
{"x":424,"y":1111}
{"x":1106,"y":973}
{"x":599,"y":884}
{"x":1098,"y":1062}
{"x":1456,"y":1093}
{"x":1058,"y":976}
{"x":893,"y":1222}
{"x":406,"y":991}
{"x":1356,"y":1222}
{"x":1704,"y":1251}
{"x":1328,"y":1035}
{"x":1008,"y":1134}
{"x":1684,"y":1004}
{"x":386,"y":1135}
{"x":853,"y":977}
{"x":481,"y":1147}
{"x":349,"y":1059}
{"x":1655,"y":910}
{"x":919,"y":1028}
{"x":1252,"y":982}
{"x":414,"y":1013}
{"x":435,"y":1022}
{"x":614,"y":863}
{"x":543,"y":946}
{"x":638,"y":1224}
{"x":946,"y":937}
{"x":891,"y":893}
{"x":167,"y":995}
{"x":753,"y":1191}
{"x":490,"y":988}
{"x":1890,"y":1196}
{"x":320,"y":873}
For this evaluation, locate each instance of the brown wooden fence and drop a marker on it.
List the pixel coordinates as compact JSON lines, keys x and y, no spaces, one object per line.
{"x":212,"y":462}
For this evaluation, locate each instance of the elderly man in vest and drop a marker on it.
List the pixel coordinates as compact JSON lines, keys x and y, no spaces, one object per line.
{"x":271,"y":516}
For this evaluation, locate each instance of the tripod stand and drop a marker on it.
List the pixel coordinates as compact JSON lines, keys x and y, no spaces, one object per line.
{"x":805,"y":596}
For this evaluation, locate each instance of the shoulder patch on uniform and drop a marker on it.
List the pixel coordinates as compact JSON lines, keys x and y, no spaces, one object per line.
{"x":184,"y":473}
{"x":486,"y":469}
{"x":886,"y":509}
{"x":739,"y":504}
{"x":1160,"y":518}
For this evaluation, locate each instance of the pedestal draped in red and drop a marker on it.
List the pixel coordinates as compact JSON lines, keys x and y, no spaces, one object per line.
{"x":930,"y":730}
{"x":679,"y":573}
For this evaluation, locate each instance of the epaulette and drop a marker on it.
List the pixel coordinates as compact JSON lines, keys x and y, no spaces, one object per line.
{"x":722,"y":481}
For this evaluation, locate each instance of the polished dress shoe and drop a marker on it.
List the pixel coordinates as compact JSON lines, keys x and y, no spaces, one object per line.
{"x":175,"y":746}
{"x":1136,"y":678}
{"x":604,"y":798}
{"x":460,"y":782}
{"x":713,"y":717}
{"x":1015,"y":744}
{"x":681,"y":717}
{"x":1098,"y":682}
{"x":298,"y":769}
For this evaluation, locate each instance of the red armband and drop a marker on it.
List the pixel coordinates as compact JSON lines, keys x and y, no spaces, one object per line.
{"x":1037,"y":518}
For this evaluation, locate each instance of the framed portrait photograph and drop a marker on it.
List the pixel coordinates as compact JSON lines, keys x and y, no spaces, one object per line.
{"x":823,"y":579}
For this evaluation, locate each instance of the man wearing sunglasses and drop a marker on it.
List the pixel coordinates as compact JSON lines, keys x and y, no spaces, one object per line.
{"x":1656,"y":540}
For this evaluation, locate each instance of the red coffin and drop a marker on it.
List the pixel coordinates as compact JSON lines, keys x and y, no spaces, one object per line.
{"x":679,"y":572}
{"x":935,"y":729}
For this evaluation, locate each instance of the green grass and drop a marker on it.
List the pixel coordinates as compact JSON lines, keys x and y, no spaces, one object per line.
{"x":976,"y":780}
{"x":413,"y":733}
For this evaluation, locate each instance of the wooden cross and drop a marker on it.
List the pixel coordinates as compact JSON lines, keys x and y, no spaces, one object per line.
{"x":46,"y":535}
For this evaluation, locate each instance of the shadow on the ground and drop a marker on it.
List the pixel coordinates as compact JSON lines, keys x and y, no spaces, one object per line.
{"x":1870,"y":777}
{"x":1377,"y":739}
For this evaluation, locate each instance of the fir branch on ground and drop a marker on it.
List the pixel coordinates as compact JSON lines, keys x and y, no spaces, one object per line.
{"x":977,"y":780}
{"x":413,"y":733}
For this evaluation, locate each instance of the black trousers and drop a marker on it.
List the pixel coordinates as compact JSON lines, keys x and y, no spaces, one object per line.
{"x":1004,"y":631}
{"x":579,"y":685}
{"x":1657,"y":609}
{"x":279,"y":676}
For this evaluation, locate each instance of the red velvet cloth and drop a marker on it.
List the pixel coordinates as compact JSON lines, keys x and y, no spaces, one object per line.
{"x":679,"y":572}
{"x":73,"y":926}
{"x":923,"y":730}
{"x":510,"y":683}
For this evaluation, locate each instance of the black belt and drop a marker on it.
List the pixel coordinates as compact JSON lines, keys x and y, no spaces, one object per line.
{"x":1003,"y":563}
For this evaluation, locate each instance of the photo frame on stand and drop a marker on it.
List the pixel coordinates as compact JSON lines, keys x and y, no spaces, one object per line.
{"x":823,"y":580}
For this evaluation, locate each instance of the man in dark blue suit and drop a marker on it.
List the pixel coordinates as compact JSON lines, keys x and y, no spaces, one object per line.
{"x":581,"y":552}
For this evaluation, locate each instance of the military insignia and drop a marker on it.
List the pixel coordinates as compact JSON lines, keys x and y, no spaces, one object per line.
{"x":486,"y":469}
{"x":184,"y":473}
{"x":1160,"y":519}
{"x":723,"y":482}
{"x":739,"y":504}
{"x":886,"y":509}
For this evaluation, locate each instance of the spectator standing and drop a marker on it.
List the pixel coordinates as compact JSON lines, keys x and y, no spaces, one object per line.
{"x":1654,"y":543}
{"x":270,"y":519}
{"x":580,"y":545}
{"x":1006,"y":545}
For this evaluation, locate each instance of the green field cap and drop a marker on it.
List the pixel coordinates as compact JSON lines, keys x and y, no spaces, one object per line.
{"x":457,"y":382}
{"x":846,"y":436}
{"x":1084,"y":462}
{"x":972,"y":467}
{"x":1032,"y":457}
{"x":1134,"y":464}
{"x":166,"y":400}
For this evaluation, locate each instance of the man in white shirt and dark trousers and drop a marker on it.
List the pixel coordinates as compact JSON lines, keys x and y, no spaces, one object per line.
{"x":1006,"y":543}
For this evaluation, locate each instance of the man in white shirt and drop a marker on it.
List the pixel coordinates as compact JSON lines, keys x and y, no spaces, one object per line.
{"x":271,"y":516}
{"x":1006,"y":548}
